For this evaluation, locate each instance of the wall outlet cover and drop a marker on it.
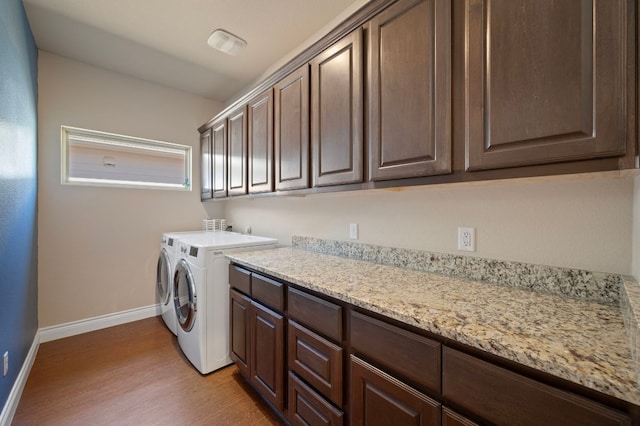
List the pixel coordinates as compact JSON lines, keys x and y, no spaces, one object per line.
{"x":466,"y":238}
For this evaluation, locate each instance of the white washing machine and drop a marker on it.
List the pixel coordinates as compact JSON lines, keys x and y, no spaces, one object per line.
{"x":164,"y":275}
{"x":201,"y":295}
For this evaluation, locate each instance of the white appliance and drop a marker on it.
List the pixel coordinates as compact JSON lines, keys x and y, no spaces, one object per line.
{"x":164,"y":275}
{"x":201,"y":295}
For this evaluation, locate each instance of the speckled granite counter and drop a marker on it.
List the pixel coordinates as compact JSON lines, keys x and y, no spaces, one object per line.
{"x":581,"y":341}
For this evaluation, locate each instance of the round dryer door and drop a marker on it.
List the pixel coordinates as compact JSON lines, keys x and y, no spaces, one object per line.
{"x":184,"y":295}
{"x":163,"y":277}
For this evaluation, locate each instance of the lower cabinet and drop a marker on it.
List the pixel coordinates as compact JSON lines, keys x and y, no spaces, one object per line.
{"x":257,"y":346}
{"x":321,"y":362}
{"x":240,"y":333}
{"x":267,"y":354}
{"x":379,"y":399}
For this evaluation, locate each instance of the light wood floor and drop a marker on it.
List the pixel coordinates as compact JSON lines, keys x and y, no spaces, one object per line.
{"x":133,"y":374}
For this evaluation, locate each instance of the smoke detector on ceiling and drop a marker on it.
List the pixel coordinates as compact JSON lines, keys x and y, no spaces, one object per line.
{"x":226,"y":42}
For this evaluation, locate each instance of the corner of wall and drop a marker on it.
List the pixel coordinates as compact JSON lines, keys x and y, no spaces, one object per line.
{"x":18,"y":194}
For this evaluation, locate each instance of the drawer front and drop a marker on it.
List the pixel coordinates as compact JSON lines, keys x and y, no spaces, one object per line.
{"x":451,"y":418}
{"x":402,"y":352}
{"x":318,"y":314}
{"x":306,"y":407}
{"x":240,"y":279}
{"x":316,"y":360}
{"x":379,"y":399}
{"x":268,"y":291}
{"x":502,"y":397}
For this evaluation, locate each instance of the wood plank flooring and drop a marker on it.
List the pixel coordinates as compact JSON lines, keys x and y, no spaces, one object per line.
{"x":133,"y":374}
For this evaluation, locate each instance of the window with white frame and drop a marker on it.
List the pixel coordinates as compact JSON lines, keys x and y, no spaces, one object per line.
{"x":97,"y":158}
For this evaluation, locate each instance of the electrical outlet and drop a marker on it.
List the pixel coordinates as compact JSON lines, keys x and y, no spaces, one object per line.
{"x":247,"y":229}
{"x":466,"y":239}
{"x":5,"y":364}
{"x":353,"y":231}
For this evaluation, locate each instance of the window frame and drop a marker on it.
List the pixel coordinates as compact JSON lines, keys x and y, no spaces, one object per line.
{"x":108,"y":139}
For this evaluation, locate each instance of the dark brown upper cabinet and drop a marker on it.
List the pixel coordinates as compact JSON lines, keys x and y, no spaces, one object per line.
{"x":219,"y":159}
{"x":205,"y":165}
{"x":292,"y":131}
{"x":237,"y":123}
{"x":408,"y":87}
{"x":337,"y":113}
{"x":260,"y":140}
{"x":544,"y":81}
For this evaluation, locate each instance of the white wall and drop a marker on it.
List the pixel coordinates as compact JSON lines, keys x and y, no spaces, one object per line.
{"x":98,"y":247}
{"x":579,"y":222}
{"x":635,"y":250}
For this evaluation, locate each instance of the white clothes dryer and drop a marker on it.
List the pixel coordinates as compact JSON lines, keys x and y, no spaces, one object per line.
{"x":164,"y":276}
{"x":201,"y":295}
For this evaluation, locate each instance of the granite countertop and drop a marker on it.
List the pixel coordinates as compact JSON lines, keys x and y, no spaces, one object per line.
{"x":580,"y":341}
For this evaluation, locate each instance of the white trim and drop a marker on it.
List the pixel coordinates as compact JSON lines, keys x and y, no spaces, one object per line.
{"x":11,"y":405}
{"x":56,"y":332}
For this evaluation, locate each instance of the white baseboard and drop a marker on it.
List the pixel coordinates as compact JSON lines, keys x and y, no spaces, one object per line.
{"x":56,"y":332}
{"x":11,"y":405}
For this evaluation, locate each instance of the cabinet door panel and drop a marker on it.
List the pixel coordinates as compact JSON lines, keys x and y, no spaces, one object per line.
{"x":219,"y":159}
{"x":409,"y":90}
{"x":545,"y":81}
{"x":260,"y":142}
{"x":292,"y":131}
{"x":205,"y":165}
{"x":267,"y":356}
{"x":240,"y":332}
{"x":379,"y":399}
{"x":238,"y":152}
{"x":337,"y":112}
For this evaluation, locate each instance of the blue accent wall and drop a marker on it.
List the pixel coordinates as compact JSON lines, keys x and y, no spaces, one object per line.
{"x":18,"y":190}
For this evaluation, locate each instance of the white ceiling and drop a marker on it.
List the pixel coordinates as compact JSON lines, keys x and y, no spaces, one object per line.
{"x":165,"y":41}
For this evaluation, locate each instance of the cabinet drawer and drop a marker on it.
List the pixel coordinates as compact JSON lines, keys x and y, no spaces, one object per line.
{"x":268,"y":291}
{"x":318,"y":314}
{"x":402,"y":352}
{"x":316,"y":360}
{"x":308,"y":408}
{"x":240,"y":279}
{"x":379,"y":399}
{"x":502,"y":397}
{"x":451,"y":418}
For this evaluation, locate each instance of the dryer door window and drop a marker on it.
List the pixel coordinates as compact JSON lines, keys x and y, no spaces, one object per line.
{"x":184,"y":295}
{"x":163,"y":278}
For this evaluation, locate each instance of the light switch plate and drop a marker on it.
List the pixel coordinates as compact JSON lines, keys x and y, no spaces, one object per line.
{"x":353,"y":231}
